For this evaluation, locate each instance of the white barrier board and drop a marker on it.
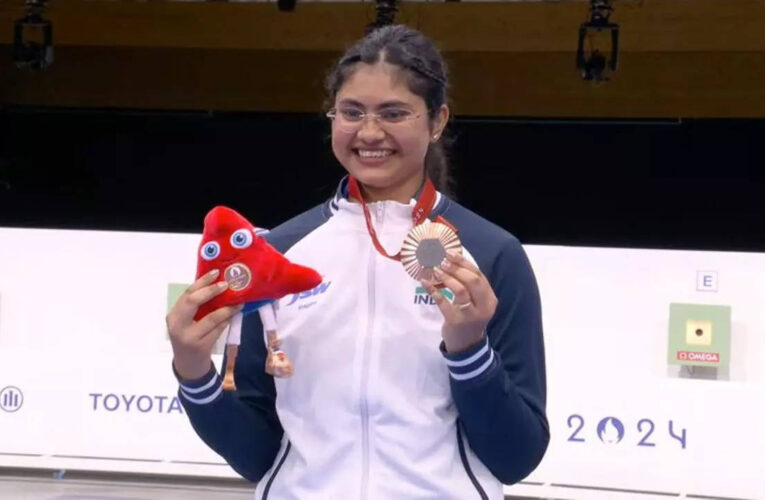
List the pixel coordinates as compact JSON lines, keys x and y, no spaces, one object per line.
{"x":85,"y":379}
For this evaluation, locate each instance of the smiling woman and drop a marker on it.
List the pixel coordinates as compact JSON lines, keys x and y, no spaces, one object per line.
{"x":386,"y":153}
{"x":397,"y":78}
{"x":390,"y":398}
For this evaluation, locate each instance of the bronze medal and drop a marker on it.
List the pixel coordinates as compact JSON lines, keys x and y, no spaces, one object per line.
{"x":425,"y":248}
{"x":237,"y":276}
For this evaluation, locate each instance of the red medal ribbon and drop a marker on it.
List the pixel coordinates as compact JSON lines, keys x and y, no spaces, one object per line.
{"x":420,"y":212}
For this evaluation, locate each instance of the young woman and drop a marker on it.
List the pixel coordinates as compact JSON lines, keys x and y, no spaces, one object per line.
{"x":392,"y":397}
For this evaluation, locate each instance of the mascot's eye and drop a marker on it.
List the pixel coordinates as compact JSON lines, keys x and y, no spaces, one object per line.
{"x":241,"y":238}
{"x":210,"y":251}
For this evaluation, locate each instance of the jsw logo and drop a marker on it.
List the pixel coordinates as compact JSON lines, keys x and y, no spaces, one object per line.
{"x":310,"y":293}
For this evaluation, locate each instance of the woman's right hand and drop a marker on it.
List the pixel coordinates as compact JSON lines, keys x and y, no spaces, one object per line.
{"x":193,"y":341}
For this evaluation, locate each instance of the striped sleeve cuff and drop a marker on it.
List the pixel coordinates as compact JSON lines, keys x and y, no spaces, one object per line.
{"x":469,"y":364}
{"x":202,"y":391}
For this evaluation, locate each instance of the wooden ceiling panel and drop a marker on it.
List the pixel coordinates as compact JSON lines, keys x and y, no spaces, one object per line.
{"x":679,"y":58}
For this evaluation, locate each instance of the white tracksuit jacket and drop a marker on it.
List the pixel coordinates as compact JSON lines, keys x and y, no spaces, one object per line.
{"x":376,"y":409}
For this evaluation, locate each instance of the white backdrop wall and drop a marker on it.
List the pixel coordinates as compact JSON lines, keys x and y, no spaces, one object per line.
{"x":85,"y":379}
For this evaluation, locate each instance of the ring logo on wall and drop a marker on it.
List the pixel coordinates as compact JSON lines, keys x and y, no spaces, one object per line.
{"x":610,"y":430}
{"x":11,"y":399}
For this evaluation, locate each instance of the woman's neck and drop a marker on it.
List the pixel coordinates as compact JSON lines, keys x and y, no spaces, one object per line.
{"x":402,"y":193}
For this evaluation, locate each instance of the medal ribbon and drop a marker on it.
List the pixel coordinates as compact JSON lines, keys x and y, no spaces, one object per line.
{"x":420,"y":212}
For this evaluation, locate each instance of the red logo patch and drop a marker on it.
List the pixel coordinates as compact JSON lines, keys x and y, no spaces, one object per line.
{"x":707,"y":357}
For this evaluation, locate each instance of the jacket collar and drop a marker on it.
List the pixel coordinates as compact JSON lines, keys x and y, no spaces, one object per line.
{"x":341,"y":193}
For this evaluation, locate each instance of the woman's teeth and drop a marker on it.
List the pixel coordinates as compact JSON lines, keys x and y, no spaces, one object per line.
{"x":374,"y":153}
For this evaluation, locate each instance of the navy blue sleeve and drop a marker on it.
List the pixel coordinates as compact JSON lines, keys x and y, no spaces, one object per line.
{"x":499,"y":385}
{"x":242,"y":426}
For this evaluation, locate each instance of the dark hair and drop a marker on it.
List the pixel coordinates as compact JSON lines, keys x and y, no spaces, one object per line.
{"x":425,"y":74}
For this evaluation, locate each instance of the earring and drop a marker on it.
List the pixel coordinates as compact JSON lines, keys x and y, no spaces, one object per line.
{"x":435,"y":137}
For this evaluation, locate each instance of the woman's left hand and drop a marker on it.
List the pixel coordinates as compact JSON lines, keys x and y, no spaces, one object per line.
{"x":465,"y":318}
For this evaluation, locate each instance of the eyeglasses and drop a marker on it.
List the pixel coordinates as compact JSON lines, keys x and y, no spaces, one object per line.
{"x":352,"y":119}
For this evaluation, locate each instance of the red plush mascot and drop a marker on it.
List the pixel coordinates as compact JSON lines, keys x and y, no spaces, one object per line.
{"x":257,"y":275}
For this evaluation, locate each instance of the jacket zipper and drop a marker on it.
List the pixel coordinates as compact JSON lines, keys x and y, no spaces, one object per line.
{"x":466,"y":464}
{"x":365,"y":361}
{"x":276,"y":471}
